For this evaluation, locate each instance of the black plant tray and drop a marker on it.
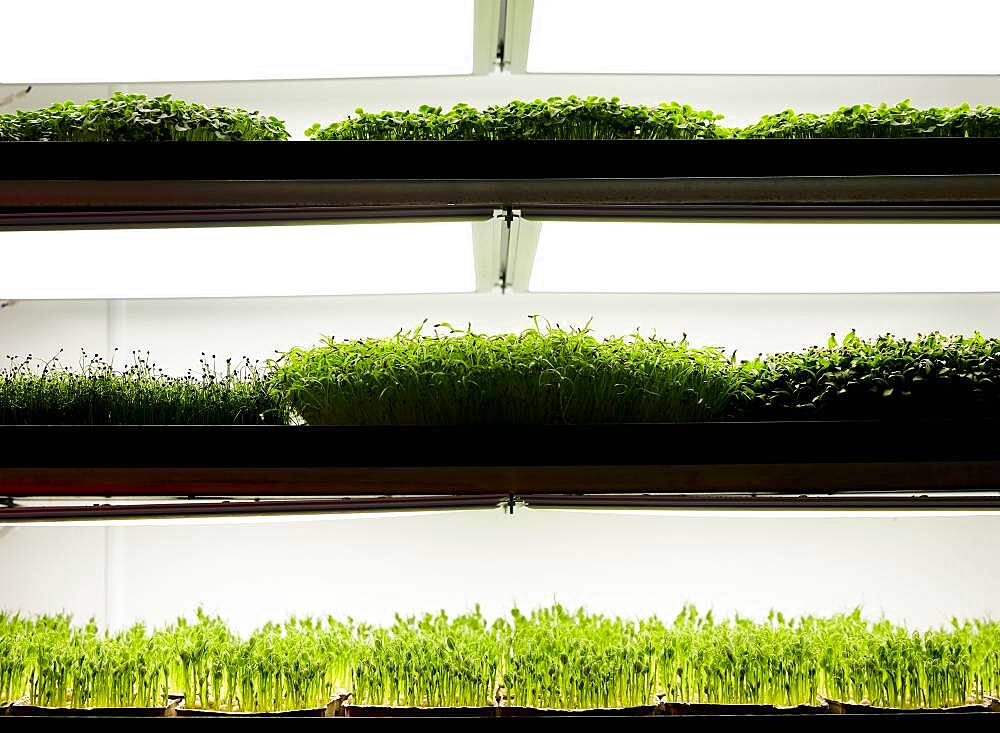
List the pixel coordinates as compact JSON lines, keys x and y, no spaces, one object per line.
{"x":37,"y":711}
{"x":73,"y":184}
{"x":765,"y":718}
{"x":388,"y":711}
{"x":903,"y":722}
{"x":789,"y":458}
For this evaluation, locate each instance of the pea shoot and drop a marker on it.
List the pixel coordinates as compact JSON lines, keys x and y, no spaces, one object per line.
{"x":549,"y":658}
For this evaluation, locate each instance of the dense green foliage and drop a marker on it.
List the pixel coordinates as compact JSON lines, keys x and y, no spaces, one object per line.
{"x":136,"y":118}
{"x":549,"y":658}
{"x":430,"y":660}
{"x":883,"y":378}
{"x":865,"y":120}
{"x":597,"y":118}
{"x":570,"y":118}
{"x":98,"y":393}
{"x":542,"y":375}
{"x":539,"y":376}
{"x":568,"y":376}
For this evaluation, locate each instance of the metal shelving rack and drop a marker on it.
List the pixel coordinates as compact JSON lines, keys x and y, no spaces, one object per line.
{"x":75,"y":184}
{"x":171,"y":471}
{"x":53,"y":185}
{"x":935,"y":464}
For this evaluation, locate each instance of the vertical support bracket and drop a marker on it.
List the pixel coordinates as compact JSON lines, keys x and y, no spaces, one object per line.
{"x":522,"y":243}
{"x":500,"y":36}
{"x":504,"y":249}
{"x":488,"y":30}
{"x":514,"y":35}
{"x":502,"y":61}
{"x":507,"y":223}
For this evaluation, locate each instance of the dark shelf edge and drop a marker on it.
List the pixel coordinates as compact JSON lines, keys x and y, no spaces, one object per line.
{"x":963,"y":721}
{"x":119,"y":184}
{"x":404,"y":446}
{"x":536,"y":159}
{"x":780,"y":457}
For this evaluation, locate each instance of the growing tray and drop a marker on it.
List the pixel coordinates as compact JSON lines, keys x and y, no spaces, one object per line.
{"x":673,"y":710}
{"x":789,"y":458}
{"x":72,"y":184}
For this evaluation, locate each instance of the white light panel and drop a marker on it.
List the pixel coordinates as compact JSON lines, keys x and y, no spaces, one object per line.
{"x":775,"y":37}
{"x":335,"y":259}
{"x":767,"y":257}
{"x":194,"y":40}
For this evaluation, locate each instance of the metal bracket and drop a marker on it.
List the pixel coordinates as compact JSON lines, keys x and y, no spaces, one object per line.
{"x":514,"y":35}
{"x":503,"y":277}
{"x":505,"y":251}
{"x":518,"y":246}
{"x":4,"y":101}
{"x":501,"y":60}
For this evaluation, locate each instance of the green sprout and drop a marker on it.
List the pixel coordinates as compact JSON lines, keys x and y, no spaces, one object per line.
{"x":550,"y":658}
{"x":137,"y":118}
{"x":865,"y":120}
{"x":33,"y":391}
{"x":542,"y":375}
{"x":556,"y":118}
{"x":882,"y":378}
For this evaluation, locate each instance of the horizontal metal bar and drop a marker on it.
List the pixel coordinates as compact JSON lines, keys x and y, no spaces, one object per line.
{"x":79,"y":184}
{"x":371,"y":196}
{"x":127,"y":217}
{"x":742,"y":212}
{"x":95,"y":512}
{"x":111,"y":218}
{"x":347,"y":505}
{"x":764,"y":502}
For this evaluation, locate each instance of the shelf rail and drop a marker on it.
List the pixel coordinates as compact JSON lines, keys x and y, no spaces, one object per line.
{"x":51,"y":184}
{"x":34,"y":510}
{"x":784,"y":458}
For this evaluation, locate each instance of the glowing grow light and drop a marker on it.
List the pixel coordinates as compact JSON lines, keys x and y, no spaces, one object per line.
{"x":776,"y":37}
{"x":189,"y":40}
{"x":766,"y":257}
{"x":337,"y":259}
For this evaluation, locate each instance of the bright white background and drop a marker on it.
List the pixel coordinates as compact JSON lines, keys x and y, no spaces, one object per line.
{"x":218,"y":40}
{"x":917,"y":569}
{"x":778,"y":37}
{"x":178,"y":331}
{"x":920,"y":570}
{"x":766,"y":257}
{"x":232,"y":261}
